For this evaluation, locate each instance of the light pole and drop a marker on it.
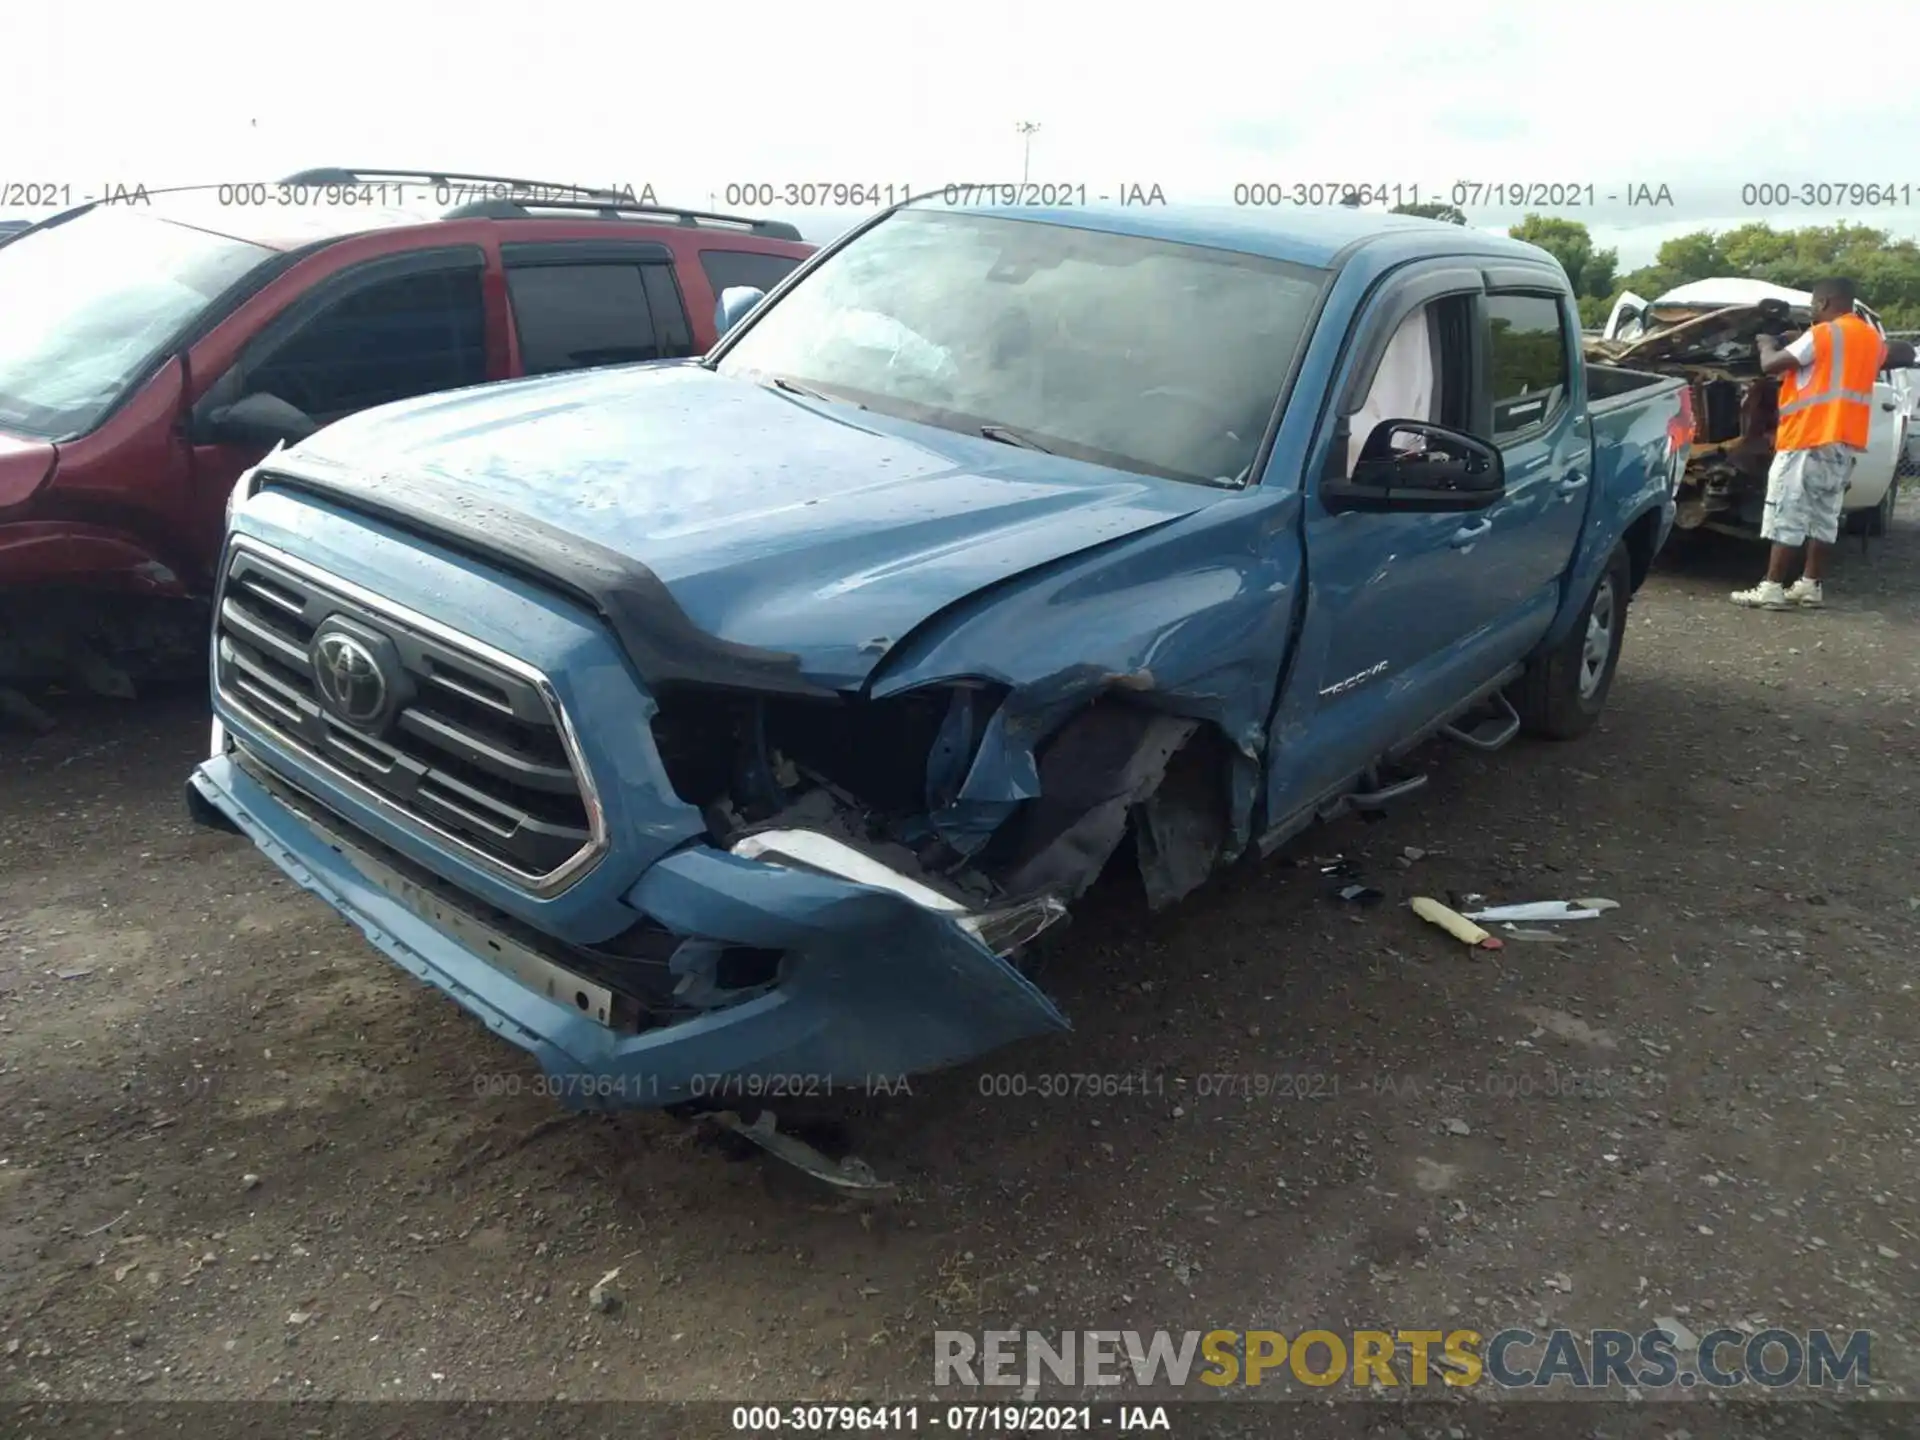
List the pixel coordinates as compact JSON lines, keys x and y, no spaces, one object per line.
{"x":1026,"y":129}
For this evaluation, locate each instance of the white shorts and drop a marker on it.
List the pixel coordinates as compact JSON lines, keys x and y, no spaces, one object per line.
{"x":1805,"y":490}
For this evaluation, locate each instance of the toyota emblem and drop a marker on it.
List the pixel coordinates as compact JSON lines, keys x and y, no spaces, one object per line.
{"x":349,"y":678}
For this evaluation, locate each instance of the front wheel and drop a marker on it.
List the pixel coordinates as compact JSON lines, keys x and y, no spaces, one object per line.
{"x":1565,"y":689}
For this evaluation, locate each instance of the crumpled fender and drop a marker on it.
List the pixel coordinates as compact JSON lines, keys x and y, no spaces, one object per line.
{"x":872,"y":985}
{"x":1192,"y":620}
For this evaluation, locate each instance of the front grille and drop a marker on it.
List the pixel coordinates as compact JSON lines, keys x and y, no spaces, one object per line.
{"x":472,"y":748}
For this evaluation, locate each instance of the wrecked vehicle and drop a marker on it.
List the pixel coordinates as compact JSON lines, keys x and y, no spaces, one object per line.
{"x":150,"y":354}
{"x":1704,"y":333}
{"x":739,"y":723}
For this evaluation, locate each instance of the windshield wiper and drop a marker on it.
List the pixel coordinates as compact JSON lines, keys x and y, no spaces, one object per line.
{"x":781,"y":382}
{"x":1007,"y":436}
{"x":794,"y":387}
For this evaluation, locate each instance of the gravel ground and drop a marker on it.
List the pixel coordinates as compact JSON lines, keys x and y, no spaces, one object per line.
{"x":243,"y":1156}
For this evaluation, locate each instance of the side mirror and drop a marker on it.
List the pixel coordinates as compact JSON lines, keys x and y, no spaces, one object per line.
{"x":258,"y":420}
{"x":735,"y":302}
{"x":1412,"y":467}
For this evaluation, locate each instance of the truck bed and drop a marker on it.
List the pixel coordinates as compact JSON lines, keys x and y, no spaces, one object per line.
{"x":1609,"y":387}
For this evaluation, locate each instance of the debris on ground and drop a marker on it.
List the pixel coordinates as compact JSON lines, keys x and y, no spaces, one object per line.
{"x":1453,"y":922}
{"x":847,"y":1174}
{"x":1545,"y":910}
{"x":1359,"y":895}
{"x":1683,"y":1338}
{"x":602,"y":1298}
{"x":1524,"y":932}
{"x":1456,"y":1127}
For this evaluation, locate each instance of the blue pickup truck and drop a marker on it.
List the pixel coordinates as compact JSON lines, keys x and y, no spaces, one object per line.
{"x":746,"y":721}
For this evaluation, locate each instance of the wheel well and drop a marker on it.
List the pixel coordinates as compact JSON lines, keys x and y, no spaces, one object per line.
{"x":1639,"y":541}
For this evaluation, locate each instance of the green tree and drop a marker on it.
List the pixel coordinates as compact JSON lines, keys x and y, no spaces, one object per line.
{"x":1591,"y":272}
{"x":1452,"y":214}
{"x":1886,"y":270}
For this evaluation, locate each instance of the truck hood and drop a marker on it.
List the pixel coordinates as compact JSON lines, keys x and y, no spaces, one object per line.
{"x":776,"y":523}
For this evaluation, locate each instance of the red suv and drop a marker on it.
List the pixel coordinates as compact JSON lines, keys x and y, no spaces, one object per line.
{"x":150,"y":354}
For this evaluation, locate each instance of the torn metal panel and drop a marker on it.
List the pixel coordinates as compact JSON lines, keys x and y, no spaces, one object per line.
{"x":1736,"y":408}
{"x":1720,"y":340}
{"x":1093,"y":773}
{"x":850,"y":1173}
{"x":1183,"y":830}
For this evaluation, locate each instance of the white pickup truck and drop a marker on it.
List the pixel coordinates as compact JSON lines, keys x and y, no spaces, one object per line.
{"x":1704,"y":332}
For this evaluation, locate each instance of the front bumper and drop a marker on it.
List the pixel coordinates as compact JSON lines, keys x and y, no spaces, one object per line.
{"x":873,"y":984}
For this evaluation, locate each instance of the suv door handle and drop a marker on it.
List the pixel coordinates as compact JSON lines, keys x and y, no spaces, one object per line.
{"x":1575,"y":480}
{"x":1888,"y":408}
{"x":1467,"y":534}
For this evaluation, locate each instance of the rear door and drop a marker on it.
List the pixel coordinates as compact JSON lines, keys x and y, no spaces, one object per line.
{"x":578,"y":304}
{"x":1546,"y":439}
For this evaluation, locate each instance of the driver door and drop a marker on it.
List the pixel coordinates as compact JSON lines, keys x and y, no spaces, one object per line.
{"x":387,"y":329}
{"x":1402,"y":605}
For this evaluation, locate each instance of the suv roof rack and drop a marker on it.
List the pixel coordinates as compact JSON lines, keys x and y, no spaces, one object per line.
{"x":348,"y":175}
{"x":615,"y":207}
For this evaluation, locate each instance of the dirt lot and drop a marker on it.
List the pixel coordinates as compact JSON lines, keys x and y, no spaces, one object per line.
{"x":242,"y":1156}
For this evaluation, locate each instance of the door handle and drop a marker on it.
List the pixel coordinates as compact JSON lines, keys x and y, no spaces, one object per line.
{"x":1887,"y":408}
{"x":1464,"y":537}
{"x":1576,"y":480}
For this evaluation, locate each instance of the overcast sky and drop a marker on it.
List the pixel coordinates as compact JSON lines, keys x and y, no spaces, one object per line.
{"x":1701,"y":98}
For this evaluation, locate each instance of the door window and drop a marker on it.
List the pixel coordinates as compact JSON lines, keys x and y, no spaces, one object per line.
{"x":606,"y":313}
{"x":391,"y":340}
{"x":1422,"y":376}
{"x":1526,"y":360}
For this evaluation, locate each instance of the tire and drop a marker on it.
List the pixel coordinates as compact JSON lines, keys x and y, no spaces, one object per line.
{"x":1565,"y":689}
{"x":1882,"y":520}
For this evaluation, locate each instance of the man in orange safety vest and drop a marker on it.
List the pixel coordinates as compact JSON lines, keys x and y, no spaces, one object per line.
{"x":1826,"y":406}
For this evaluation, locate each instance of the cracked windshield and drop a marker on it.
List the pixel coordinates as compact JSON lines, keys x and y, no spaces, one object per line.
{"x":1159,"y":358}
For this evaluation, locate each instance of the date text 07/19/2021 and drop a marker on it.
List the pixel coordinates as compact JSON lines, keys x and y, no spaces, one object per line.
{"x":646,"y":1089}
{"x":1459,"y":194}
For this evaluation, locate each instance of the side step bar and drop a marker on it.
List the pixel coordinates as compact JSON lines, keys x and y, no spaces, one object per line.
{"x":1491,"y":731}
{"x":1382,"y":796}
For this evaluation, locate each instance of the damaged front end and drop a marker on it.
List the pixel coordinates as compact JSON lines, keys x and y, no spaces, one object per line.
{"x":1736,"y":408}
{"x":859,"y":906}
{"x":954,"y":796}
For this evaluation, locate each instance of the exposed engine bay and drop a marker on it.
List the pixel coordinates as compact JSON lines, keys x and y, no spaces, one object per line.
{"x":888,"y":778}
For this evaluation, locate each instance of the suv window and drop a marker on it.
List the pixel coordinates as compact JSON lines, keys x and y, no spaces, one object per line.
{"x":1527,"y":361}
{"x":606,"y":313}
{"x":392,"y":340}
{"x":743,"y":267}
